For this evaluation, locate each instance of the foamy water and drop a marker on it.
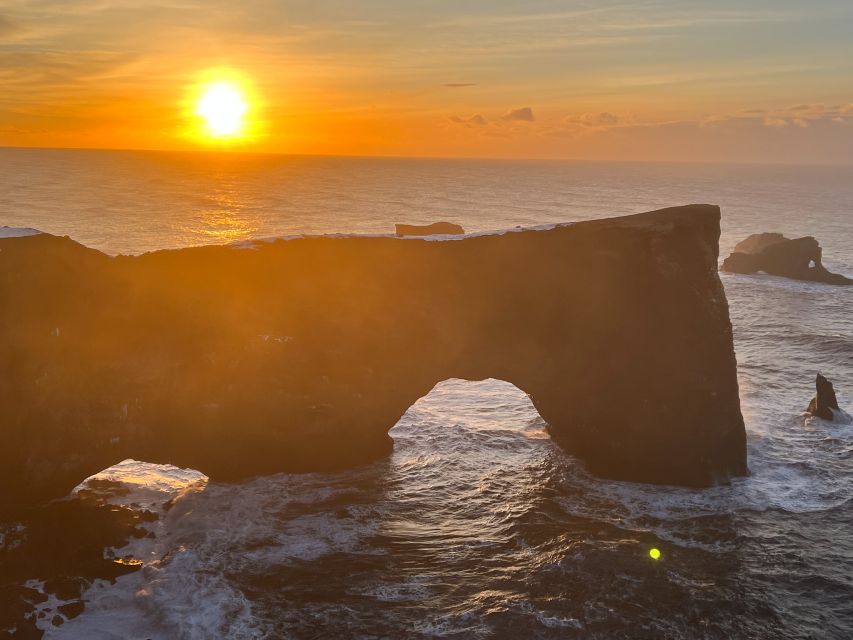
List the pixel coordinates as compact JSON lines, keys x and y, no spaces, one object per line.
{"x":478,"y":526}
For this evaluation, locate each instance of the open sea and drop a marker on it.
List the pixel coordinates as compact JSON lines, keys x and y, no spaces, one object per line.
{"x":477,"y":526}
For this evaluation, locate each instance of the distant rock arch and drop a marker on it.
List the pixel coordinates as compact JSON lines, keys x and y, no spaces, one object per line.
{"x":774,"y":254}
{"x":301,"y":354}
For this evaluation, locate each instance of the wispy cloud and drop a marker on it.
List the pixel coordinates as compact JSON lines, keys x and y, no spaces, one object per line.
{"x":601,"y":119}
{"x":522,"y":114}
{"x":648,"y":15}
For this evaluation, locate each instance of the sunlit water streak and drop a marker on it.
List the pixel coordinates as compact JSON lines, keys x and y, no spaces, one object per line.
{"x":478,"y":526}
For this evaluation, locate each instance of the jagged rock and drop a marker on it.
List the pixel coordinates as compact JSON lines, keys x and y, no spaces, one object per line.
{"x":436,"y":228}
{"x":757,"y":242}
{"x":301,"y":354}
{"x":61,"y":545}
{"x":823,"y":404}
{"x":777,"y":255}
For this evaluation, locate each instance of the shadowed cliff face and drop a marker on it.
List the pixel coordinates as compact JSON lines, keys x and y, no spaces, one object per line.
{"x":300,"y":355}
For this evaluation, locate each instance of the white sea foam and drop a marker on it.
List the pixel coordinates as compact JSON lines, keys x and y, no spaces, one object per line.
{"x":47,"y":611}
{"x":145,"y":484}
{"x":182,"y":590}
{"x":18,"y":232}
{"x":465,"y":625}
{"x":776,"y":482}
{"x":557,"y":621}
{"x":413,"y":589}
{"x":118,"y":610}
{"x":185,"y":603}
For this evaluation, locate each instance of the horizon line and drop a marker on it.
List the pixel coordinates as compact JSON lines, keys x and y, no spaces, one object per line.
{"x":433,"y":157}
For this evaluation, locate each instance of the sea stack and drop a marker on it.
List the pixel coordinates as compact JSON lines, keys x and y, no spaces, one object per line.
{"x":300,"y":354}
{"x":434,"y":229}
{"x":774,"y":254}
{"x":824,"y":405}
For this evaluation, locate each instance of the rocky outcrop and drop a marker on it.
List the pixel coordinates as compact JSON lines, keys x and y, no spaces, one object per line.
{"x":301,"y":354}
{"x":436,"y":228}
{"x":777,"y":255}
{"x":824,"y":404}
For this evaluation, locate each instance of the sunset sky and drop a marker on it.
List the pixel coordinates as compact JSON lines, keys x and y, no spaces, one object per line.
{"x":715,"y":80}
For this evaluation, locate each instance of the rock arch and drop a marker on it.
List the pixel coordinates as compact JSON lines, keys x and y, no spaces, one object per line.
{"x":301,"y":354}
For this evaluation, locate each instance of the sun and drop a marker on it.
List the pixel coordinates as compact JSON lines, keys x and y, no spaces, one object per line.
{"x":223,"y":106}
{"x":223,"y":109}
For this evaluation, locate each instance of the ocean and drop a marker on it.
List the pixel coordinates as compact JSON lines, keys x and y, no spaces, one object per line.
{"x":477,"y":526}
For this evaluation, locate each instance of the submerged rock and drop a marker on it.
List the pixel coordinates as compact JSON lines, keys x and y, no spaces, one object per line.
{"x":436,"y":228}
{"x":773,"y":253}
{"x":824,"y":404}
{"x":618,"y":330}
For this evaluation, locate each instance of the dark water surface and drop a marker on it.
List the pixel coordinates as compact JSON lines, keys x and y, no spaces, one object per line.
{"x":477,"y":526}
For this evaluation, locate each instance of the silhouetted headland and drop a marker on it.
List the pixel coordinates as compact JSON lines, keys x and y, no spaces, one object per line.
{"x":301,"y":354}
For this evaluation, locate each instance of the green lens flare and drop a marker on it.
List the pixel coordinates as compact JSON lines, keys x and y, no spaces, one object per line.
{"x":654,"y":553}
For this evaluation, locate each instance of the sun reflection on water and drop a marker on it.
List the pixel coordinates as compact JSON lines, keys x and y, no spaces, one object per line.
{"x":226,"y":216}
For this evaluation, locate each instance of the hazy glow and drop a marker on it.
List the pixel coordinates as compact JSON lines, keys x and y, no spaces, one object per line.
{"x":700,"y":80}
{"x":223,"y":108}
{"x":654,"y":553}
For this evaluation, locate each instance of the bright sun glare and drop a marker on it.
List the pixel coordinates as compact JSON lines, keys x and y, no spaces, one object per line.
{"x":223,"y":107}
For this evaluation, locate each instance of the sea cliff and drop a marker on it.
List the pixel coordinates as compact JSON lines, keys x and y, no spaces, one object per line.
{"x":300,"y":354}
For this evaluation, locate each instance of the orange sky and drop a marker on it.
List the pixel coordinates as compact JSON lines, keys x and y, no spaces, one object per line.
{"x":767,"y":81}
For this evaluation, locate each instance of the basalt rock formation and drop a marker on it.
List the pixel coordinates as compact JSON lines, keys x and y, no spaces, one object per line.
{"x":436,"y":228}
{"x":777,"y":255}
{"x":824,"y":404}
{"x":301,"y":354}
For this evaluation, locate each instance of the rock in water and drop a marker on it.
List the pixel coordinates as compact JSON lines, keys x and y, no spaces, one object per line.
{"x":436,"y":228}
{"x":777,"y":255}
{"x":823,"y":404}
{"x":301,"y":354}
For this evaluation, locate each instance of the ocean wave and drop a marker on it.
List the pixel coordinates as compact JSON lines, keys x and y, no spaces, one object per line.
{"x":473,"y":490}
